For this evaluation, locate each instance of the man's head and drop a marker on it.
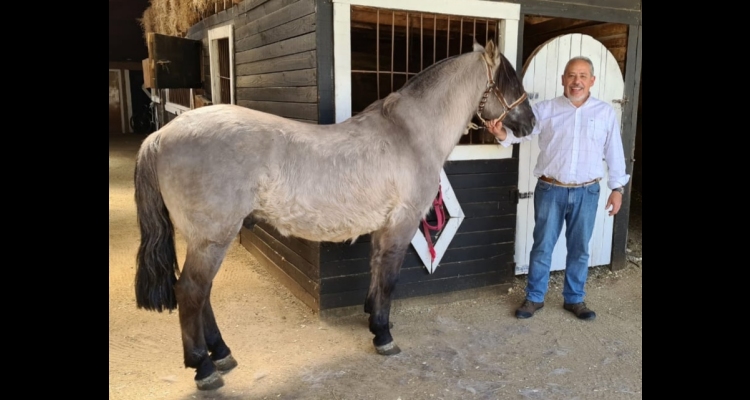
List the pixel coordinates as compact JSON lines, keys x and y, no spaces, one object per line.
{"x":577,"y":79}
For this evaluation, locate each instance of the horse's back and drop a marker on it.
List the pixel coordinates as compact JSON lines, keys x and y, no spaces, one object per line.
{"x":210,"y":161}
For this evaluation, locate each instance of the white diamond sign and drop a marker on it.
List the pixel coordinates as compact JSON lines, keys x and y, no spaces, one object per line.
{"x":453,"y":221}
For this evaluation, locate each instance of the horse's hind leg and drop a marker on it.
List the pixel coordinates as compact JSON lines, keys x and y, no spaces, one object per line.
{"x":192,"y":289}
{"x":388,"y":250}
{"x":221,"y":355}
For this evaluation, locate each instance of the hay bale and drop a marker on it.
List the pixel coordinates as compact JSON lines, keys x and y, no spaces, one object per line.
{"x":147,"y":22}
{"x":175,"y":17}
{"x":201,"y":6}
{"x":185,"y":15}
{"x":172,"y":20}
{"x":161,"y":15}
{"x":207,"y":8}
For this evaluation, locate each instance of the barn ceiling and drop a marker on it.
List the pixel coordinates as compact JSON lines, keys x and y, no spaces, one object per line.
{"x":126,"y":42}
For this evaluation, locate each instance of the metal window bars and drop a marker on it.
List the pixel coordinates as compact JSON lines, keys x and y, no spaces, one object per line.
{"x":398,"y":36}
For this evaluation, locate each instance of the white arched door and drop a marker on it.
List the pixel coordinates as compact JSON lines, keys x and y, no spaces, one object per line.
{"x":542,"y":80}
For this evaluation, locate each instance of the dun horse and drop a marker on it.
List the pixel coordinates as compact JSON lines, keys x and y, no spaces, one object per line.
{"x":214,"y":169}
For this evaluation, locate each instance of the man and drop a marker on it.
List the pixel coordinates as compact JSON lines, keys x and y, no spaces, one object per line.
{"x":576,"y":132}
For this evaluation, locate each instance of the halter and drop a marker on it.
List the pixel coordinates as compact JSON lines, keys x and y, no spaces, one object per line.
{"x":492,"y":88}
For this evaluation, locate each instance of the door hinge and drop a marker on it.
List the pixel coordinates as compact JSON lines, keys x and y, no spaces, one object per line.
{"x":525,"y":195}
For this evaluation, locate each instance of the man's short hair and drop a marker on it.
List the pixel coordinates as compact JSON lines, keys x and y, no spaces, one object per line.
{"x":581,"y":58}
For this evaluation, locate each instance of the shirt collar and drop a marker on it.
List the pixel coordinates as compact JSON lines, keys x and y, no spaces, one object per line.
{"x":567,"y":101}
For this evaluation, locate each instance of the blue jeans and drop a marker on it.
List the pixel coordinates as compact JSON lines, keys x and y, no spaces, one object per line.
{"x":554,"y":205}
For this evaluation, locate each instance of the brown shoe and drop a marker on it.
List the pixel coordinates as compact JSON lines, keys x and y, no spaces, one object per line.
{"x":527,"y":309}
{"x":580,"y":310}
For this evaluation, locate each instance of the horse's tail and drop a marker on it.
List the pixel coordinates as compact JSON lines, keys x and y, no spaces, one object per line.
{"x":156,"y":262}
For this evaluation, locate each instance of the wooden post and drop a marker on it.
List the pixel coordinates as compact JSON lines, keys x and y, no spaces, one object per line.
{"x":632,"y":87}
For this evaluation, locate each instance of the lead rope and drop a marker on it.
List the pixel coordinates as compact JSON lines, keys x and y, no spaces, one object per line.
{"x":437,"y":204}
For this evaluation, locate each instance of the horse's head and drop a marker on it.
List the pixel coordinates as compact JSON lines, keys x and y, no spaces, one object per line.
{"x":507,"y":99}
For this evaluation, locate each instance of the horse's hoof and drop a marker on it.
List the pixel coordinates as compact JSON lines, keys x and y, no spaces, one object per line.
{"x":226,"y":363}
{"x":210,"y":382}
{"x":388,"y":349}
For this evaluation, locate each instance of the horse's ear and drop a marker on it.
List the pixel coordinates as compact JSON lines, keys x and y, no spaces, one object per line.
{"x":492,"y":54}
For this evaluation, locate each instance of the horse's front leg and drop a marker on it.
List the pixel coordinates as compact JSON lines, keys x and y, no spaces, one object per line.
{"x":388,"y":249}
{"x":192,"y":291}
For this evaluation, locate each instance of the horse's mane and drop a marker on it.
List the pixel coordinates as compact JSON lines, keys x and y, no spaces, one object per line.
{"x":506,"y":78}
{"x":423,"y":79}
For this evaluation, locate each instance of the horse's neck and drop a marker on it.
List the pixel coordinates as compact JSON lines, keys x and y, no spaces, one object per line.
{"x":438,"y":119}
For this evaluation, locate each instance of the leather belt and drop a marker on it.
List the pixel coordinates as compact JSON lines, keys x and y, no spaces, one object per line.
{"x":558,"y":183}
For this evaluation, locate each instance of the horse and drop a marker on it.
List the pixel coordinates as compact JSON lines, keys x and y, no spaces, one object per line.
{"x":212,"y":170}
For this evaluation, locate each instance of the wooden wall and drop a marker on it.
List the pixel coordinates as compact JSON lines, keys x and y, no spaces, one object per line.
{"x":621,"y":11}
{"x":275,"y":59}
{"x":274,"y":56}
{"x":294,"y":262}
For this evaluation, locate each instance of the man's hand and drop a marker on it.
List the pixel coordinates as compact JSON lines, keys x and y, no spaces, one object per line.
{"x":495,"y":127}
{"x":615,"y":200}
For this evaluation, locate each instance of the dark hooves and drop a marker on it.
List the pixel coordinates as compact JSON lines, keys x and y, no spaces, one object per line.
{"x":388,"y":349}
{"x":210,"y":382}
{"x":226,"y":364}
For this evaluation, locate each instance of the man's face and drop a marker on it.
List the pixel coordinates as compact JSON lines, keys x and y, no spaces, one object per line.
{"x":577,"y":80}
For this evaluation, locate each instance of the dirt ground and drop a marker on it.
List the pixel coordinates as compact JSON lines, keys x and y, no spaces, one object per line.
{"x":465,"y":345}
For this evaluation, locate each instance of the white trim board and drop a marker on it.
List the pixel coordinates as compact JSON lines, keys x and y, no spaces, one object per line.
{"x":225,"y":31}
{"x":480,"y":152}
{"x":467,"y":8}
{"x":175,"y":108}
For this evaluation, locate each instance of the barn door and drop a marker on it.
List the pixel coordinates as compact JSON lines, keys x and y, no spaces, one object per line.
{"x":542,"y":79}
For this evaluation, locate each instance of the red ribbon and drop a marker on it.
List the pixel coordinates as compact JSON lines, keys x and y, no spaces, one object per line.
{"x":437,"y":204}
